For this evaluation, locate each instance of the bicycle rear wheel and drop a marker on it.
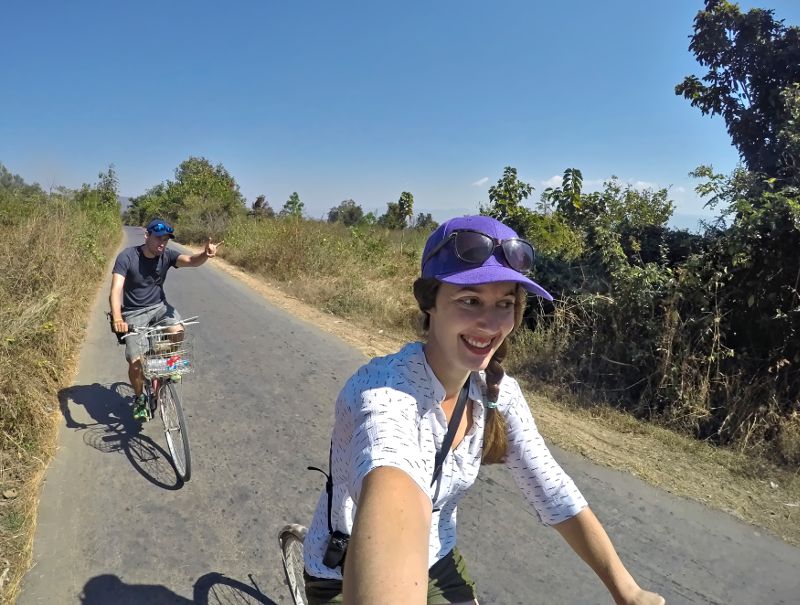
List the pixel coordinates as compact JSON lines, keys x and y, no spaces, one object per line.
{"x":169,"y":402}
{"x":291,"y":540}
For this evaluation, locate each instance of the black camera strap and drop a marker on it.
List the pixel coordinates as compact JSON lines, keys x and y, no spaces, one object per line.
{"x":452,"y":428}
{"x":328,"y":484}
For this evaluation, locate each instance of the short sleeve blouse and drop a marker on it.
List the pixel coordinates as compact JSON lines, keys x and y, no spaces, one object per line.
{"x":389,"y":414}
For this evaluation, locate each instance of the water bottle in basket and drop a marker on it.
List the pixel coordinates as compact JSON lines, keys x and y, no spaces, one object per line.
{"x":157,"y":365}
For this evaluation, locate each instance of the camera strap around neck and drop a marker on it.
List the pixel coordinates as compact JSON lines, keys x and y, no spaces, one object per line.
{"x":452,"y":429}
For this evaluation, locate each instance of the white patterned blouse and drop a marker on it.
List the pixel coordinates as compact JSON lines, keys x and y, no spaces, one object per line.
{"x":389,"y":414}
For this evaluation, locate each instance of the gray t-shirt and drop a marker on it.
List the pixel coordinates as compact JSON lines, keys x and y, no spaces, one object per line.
{"x":144,"y":277}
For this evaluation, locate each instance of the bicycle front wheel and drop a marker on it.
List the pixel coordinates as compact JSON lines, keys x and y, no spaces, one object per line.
{"x":291,"y":540}
{"x":169,"y":402}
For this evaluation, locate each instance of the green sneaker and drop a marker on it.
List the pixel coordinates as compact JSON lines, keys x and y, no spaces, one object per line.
{"x":141,"y":410}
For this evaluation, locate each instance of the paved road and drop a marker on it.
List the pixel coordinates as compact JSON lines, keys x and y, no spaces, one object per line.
{"x":115,"y":527}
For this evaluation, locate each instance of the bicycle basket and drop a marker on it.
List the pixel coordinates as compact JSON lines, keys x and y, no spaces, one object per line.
{"x":167,"y":354}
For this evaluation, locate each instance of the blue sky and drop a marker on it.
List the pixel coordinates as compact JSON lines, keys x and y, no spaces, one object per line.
{"x":356,"y":99}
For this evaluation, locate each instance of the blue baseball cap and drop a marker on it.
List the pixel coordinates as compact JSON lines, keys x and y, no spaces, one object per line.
{"x":445,"y":266}
{"x":160,"y":227}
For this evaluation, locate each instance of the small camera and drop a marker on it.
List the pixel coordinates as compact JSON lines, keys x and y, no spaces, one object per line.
{"x":337,"y":548}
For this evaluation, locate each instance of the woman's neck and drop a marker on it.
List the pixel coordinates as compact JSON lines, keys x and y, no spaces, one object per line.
{"x":451,"y":376}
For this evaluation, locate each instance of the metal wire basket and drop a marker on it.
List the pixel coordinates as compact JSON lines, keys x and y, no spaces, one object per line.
{"x":165,"y":354}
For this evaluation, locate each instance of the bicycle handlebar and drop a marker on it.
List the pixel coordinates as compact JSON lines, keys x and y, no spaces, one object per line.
{"x":138,"y":331}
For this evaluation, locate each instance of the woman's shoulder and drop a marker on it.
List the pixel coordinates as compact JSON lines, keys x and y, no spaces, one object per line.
{"x":399,"y":376}
{"x":398,"y":367}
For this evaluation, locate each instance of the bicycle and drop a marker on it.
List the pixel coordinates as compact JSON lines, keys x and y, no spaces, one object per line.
{"x":291,"y":539}
{"x":165,"y":359}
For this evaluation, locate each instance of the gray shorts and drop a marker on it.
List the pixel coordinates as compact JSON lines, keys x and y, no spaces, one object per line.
{"x":448,"y":582}
{"x":162,"y":313}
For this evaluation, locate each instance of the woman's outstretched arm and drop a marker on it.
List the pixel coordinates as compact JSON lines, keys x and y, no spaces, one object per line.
{"x":589,"y":540}
{"x":387,"y":558}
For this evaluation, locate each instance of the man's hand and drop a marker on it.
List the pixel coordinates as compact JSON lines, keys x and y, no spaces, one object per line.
{"x":211,"y":248}
{"x":119,"y":326}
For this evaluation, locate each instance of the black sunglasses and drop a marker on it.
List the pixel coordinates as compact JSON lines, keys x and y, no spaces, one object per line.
{"x":475,"y":248}
{"x":161,"y":227}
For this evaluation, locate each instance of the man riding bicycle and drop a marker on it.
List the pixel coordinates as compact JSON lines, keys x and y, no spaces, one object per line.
{"x":137,"y":296}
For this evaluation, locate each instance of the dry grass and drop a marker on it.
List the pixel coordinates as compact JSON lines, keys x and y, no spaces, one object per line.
{"x":746,"y":486}
{"x":46,"y":261}
{"x":348,"y":272}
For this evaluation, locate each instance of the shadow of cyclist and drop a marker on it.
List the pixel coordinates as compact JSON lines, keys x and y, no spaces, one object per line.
{"x":108,"y":588}
{"x":211,"y":589}
{"x":113,"y":429}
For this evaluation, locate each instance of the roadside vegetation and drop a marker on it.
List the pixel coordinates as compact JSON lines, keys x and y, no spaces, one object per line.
{"x":53,"y":250}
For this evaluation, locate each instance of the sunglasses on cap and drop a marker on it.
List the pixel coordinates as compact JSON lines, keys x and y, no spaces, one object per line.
{"x":161,"y":228}
{"x":475,"y":248}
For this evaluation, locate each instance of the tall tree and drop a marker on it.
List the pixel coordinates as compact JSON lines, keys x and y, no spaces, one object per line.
{"x":398,"y":213}
{"x":753,"y":63}
{"x":505,"y":201}
{"x":107,"y":187}
{"x":293,"y":208}
{"x":406,"y":206}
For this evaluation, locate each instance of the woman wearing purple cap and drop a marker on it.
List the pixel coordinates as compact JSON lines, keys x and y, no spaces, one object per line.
{"x":412,"y":429}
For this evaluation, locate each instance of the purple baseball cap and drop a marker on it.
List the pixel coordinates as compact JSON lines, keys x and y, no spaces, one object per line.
{"x":446,"y":267}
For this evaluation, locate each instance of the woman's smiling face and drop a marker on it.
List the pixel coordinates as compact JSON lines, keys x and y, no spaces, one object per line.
{"x":469,"y":323}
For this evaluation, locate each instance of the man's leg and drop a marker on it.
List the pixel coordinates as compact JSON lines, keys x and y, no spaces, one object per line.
{"x":134,"y":347}
{"x":136,"y":376}
{"x":141,"y":410}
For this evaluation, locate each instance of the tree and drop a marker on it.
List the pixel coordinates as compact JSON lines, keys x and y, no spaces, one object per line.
{"x":506,"y":196}
{"x":398,"y":213}
{"x":505,"y":201}
{"x":425,"y":222}
{"x":567,"y":198}
{"x":107,"y":187}
{"x":753,"y":63}
{"x":293,"y":208}
{"x":261,"y":208}
{"x":406,"y":206}
{"x":200,"y":193}
{"x":347,"y":212}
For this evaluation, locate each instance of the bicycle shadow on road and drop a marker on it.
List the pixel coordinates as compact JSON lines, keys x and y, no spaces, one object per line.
{"x":211,"y":589}
{"x":114,"y":430}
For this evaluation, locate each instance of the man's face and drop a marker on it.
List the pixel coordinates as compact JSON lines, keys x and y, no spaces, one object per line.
{"x":156,"y":244}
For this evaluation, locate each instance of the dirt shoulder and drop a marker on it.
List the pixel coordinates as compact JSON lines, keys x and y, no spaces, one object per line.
{"x":749,"y":489}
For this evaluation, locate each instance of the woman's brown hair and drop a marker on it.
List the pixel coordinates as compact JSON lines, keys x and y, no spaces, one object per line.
{"x":495,"y":436}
